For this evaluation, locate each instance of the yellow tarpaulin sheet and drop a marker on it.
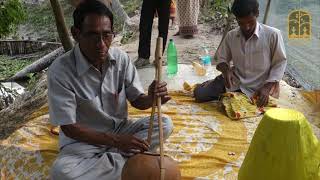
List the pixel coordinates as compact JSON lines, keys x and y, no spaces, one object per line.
{"x":206,"y":143}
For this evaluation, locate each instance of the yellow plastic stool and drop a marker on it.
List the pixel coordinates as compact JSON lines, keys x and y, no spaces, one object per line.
{"x":283,"y":148}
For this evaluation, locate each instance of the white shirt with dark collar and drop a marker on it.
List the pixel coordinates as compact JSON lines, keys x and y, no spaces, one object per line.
{"x":255,"y":61}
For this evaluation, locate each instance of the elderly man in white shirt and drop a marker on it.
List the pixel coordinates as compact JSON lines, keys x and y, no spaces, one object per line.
{"x":88,"y":91}
{"x":252,"y":58}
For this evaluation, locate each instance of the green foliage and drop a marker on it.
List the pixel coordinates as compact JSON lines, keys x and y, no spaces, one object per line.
{"x":130,"y":6}
{"x":33,"y":79}
{"x":12,"y":14}
{"x":222,"y":6}
{"x":127,"y":37}
{"x":9,"y":66}
{"x":216,"y":8}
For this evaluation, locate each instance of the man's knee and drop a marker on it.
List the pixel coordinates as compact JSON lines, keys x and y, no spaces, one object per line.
{"x":167,"y":126}
{"x":209,"y":90}
{"x":204,"y":94}
{"x":199,"y":94}
{"x":58,"y":171}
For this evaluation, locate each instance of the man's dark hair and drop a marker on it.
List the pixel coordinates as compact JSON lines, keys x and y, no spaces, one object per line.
{"x":90,"y":7}
{"x":243,"y":8}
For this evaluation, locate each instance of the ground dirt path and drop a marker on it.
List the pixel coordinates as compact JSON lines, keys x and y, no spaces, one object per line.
{"x":188,"y":49}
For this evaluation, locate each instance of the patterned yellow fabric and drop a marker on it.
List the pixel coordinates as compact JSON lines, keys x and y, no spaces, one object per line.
{"x":205,"y":142}
{"x":29,"y":152}
{"x":238,"y":106}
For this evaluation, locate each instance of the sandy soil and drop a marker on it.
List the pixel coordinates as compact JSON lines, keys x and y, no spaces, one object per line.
{"x":188,"y":49}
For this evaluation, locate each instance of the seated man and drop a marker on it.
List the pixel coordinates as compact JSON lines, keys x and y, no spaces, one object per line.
{"x":257,"y":54}
{"x":88,"y":89}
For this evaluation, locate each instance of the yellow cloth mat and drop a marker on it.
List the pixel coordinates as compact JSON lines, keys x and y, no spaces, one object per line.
{"x":29,"y":152}
{"x":205,"y":142}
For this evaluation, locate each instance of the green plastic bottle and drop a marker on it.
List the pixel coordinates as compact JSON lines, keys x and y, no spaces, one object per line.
{"x":172,"y":59}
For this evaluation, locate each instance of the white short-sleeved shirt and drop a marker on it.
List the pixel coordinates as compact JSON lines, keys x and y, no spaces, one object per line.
{"x":256,"y":61}
{"x":79,"y":93}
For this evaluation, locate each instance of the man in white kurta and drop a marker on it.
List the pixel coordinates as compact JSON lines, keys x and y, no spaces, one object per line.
{"x":252,"y":58}
{"x":88,"y":90}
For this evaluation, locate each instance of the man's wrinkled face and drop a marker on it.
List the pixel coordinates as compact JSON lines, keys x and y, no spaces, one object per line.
{"x":247,"y":25}
{"x":95,"y":37}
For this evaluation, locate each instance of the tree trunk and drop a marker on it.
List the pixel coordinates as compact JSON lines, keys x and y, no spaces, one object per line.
{"x":36,"y":66}
{"x":116,"y":8}
{"x":61,"y":25}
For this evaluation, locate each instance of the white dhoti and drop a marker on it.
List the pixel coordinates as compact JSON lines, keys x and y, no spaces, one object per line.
{"x":82,"y":161}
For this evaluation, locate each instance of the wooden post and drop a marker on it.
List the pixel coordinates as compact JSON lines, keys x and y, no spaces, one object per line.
{"x":265,"y":17}
{"x":61,"y":25}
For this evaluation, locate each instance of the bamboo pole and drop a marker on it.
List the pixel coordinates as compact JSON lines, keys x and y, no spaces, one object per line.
{"x":154,"y":100}
{"x":157,"y":102}
{"x":154,"y":103}
{"x":159,"y":65}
